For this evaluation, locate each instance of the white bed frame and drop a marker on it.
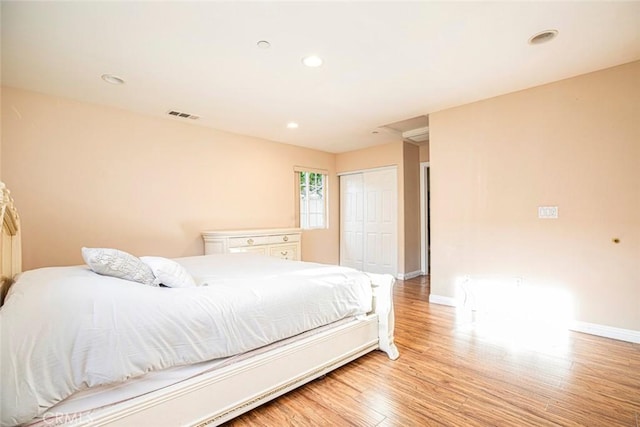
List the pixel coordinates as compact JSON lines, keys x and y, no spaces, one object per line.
{"x":11,"y":253}
{"x":213,"y":398}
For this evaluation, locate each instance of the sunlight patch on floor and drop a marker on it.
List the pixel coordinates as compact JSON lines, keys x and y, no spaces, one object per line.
{"x":516,"y":315}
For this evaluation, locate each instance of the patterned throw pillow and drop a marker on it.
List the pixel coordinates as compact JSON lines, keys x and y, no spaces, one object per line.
{"x":120,"y":264}
{"x":168,"y":272}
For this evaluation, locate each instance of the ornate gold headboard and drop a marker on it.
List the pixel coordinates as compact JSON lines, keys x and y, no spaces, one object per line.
{"x":11,"y":252}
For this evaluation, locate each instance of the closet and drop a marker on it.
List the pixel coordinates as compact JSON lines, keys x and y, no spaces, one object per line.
{"x":369,"y":220}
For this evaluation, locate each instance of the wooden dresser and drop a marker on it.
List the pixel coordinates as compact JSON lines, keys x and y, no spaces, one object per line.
{"x":282,"y":243}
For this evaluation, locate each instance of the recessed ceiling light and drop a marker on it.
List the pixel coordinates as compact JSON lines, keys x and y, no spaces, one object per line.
{"x":114,"y":80}
{"x":312,"y":61}
{"x":263,"y":44}
{"x":292,"y":125}
{"x":543,"y":36}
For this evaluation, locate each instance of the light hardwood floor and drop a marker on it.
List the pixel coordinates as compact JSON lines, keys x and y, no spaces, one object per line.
{"x":451,"y":374}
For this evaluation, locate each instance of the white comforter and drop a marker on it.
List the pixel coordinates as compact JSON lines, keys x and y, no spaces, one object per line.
{"x":66,"y":328}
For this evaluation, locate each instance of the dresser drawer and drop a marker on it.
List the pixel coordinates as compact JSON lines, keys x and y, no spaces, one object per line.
{"x":236,"y":242}
{"x":284,"y":238}
{"x":285,"y":251}
{"x":262,"y":250}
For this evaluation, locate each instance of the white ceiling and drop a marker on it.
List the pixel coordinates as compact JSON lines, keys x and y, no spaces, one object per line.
{"x":383,"y":61}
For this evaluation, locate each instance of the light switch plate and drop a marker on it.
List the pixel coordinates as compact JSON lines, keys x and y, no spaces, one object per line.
{"x":548,"y":212}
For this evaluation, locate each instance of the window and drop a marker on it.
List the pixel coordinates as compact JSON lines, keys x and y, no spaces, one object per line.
{"x":313,"y":199}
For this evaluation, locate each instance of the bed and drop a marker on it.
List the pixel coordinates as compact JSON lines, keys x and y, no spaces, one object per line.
{"x":178,"y":387}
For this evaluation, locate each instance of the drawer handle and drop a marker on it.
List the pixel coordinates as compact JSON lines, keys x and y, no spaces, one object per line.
{"x":284,"y":253}
{"x":250,"y":242}
{"x":285,"y":238}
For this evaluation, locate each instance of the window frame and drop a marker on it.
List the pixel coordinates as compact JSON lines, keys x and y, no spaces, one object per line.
{"x":325,"y":198}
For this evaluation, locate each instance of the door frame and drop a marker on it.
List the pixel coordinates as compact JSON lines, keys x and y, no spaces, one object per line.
{"x":424,"y":212}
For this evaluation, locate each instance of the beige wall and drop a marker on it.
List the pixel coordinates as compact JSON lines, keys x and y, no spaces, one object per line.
{"x":411,"y":160}
{"x":369,"y":158}
{"x":424,"y":152}
{"x":87,"y":175}
{"x":574,"y":144}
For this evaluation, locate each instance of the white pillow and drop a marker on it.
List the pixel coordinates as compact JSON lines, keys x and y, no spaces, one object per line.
{"x":169,"y":272}
{"x":120,"y":264}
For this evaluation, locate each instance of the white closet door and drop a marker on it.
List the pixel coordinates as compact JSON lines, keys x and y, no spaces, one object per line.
{"x":352,"y":221}
{"x":381,"y":225}
{"x":368,"y":220}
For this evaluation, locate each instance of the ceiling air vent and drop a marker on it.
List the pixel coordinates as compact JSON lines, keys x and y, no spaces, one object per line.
{"x":182,"y":115}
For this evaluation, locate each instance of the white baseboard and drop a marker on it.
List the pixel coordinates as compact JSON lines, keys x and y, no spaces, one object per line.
{"x":439,"y":299}
{"x":411,"y":275}
{"x":627,"y":335}
{"x":606,"y":331}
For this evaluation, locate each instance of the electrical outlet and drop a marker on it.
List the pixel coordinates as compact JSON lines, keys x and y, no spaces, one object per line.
{"x":548,"y":212}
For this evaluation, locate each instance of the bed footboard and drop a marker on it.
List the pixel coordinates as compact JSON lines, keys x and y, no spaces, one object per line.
{"x":382,"y":285}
